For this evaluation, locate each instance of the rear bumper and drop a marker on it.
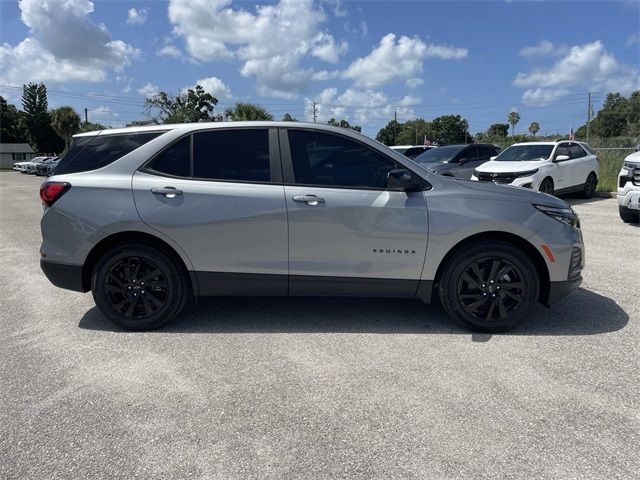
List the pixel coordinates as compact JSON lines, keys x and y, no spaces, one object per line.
{"x":64,"y":275}
{"x":558,"y":290}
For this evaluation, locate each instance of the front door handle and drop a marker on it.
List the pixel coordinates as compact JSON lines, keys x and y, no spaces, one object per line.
{"x":308,"y":199}
{"x":169,"y":192}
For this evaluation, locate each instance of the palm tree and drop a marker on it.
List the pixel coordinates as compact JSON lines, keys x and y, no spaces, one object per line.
{"x":534,"y":128}
{"x":247,"y":112}
{"x":514,"y":118}
{"x":65,"y":122}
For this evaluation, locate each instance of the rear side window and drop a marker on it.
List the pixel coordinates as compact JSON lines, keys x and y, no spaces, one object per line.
{"x":91,"y":153}
{"x":576,"y":151}
{"x":175,"y":160}
{"x":240,"y":155}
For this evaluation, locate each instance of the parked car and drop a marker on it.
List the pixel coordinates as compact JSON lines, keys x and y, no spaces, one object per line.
{"x":412,"y":151}
{"x":51,"y":167}
{"x":30,"y":167}
{"x":629,"y":189}
{"x":43,"y":168}
{"x":457,"y":160}
{"x":21,"y":166}
{"x":555,"y":168}
{"x":283,"y":208}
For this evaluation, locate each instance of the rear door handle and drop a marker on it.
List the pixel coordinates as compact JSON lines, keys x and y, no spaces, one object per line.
{"x":169,"y":192}
{"x":308,"y":199}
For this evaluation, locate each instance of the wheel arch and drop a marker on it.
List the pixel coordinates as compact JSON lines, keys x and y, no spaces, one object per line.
{"x":526,"y":246}
{"x":123,"y":238}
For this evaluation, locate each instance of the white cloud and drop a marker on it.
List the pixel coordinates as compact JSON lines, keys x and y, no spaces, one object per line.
{"x":137,"y":17}
{"x":149,"y":90}
{"x":543,"y":96}
{"x":271,"y":43}
{"x":587,"y":66}
{"x":543,"y":47}
{"x":632,"y":39}
{"x":397,"y":60}
{"x":360,"y":106}
{"x":169,"y":51}
{"x":324,"y":75}
{"x":214,"y":86}
{"x":414,"y":82}
{"x":47,"y":55}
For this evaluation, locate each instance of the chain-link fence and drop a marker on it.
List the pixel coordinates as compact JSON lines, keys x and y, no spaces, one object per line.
{"x":611,"y":152}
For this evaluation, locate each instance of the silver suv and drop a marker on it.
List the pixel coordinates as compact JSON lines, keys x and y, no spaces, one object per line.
{"x":148,"y":217}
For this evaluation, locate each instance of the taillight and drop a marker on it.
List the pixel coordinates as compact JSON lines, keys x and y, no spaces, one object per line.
{"x":52,"y":191}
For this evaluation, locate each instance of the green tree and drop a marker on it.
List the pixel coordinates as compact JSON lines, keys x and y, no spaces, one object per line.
{"x":498,"y":130}
{"x":242,"y":112}
{"x":37,"y":120}
{"x":11,"y":124}
{"x":534,"y":128}
{"x":344,"y":124}
{"x":514,"y":118}
{"x":91,"y":127}
{"x":194,"y":105}
{"x":65,"y":122}
{"x":415,"y":131}
{"x":450,"y":129}
{"x":289,"y":118}
{"x":389,"y":133}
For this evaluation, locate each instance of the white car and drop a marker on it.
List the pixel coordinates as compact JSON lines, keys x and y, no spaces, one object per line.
{"x":629,"y":189}
{"x":550,"y":167}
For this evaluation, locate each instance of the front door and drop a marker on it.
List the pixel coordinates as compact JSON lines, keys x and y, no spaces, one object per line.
{"x":225,"y":209}
{"x":348,"y":234}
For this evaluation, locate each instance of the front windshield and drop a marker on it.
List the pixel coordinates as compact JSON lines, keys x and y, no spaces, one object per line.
{"x":523,"y":153}
{"x":439,"y":155}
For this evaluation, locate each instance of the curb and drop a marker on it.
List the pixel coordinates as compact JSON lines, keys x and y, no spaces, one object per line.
{"x":604,"y":194}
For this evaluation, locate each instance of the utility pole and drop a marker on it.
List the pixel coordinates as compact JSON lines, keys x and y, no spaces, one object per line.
{"x":314,"y":106}
{"x":395,"y":126}
{"x":86,"y":115}
{"x":588,"y":114}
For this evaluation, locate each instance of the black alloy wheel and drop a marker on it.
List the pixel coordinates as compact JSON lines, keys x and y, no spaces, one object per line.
{"x":489,"y":285}
{"x":590,"y":186}
{"x":139,"y":287}
{"x":546,"y":186}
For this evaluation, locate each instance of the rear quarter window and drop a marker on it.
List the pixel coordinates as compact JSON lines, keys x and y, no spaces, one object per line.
{"x":91,"y":153}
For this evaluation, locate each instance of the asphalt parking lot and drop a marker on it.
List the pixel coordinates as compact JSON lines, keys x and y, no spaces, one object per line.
{"x":318,"y":388}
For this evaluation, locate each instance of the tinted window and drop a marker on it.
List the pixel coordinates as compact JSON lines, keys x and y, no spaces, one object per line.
{"x":175,"y":160}
{"x":484,"y":152}
{"x":524,"y":153}
{"x":413,"y":152}
{"x":440,"y":154}
{"x":90,"y":153}
{"x":576,"y":151}
{"x":325,"y":159}
{"x":240,"y":155}
{"x":562,"y":150}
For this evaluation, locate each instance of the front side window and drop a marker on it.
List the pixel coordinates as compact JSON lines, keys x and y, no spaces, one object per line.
{"x":240,"y":155}
{"x":562,"y":150}
{"x":93,"y":152}
{"x":331,"y":160}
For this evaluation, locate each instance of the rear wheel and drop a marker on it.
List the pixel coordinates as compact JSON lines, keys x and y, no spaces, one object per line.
{"x":139,"y":287}
{"x":628,"y":215}
{"x":489,"y":286}
{"x":546,"y":186}
{"x":590,"y":185}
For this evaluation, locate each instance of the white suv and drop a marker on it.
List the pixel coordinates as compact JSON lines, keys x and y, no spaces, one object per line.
{"x":629,"y":189}
{"x":550,"y":167}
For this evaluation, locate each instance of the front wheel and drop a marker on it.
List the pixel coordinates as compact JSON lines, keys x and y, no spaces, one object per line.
{"x":546,"y":186}
{"x":628,"y":215}
{"x":139,"y":287}
{"x":489,"y":286}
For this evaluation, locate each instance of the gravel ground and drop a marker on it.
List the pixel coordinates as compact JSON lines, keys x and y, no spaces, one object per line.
{"x":318,"y":388}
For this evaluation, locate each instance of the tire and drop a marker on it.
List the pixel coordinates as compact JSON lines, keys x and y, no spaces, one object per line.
{"x":157,"y":296}
{"x":469,"y":297}
{"x":628,"y":215}
{"x":546,"y":186}
{"x":590,"y":185}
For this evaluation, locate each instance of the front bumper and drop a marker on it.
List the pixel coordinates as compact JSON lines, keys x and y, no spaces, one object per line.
{"x":64,"y":275}
{"x":558,"y":290}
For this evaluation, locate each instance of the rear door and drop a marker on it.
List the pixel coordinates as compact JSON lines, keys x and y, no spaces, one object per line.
{"x":348,"y":234}
{"x":218,"y":194}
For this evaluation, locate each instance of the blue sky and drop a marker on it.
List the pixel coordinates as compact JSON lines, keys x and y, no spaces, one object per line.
{"x":358,"y":60}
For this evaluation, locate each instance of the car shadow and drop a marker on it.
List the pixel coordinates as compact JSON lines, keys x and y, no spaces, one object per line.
{"x":581,"y":313}
{"x":576,"y":199}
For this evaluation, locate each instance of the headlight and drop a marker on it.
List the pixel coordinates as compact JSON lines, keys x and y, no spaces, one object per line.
{"x":527,"y":174}
{"x":565,"y":215}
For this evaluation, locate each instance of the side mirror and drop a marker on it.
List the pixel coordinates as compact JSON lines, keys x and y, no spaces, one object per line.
{"x":463,"y":160}
{"x":401,"y":180}
{"x":561,"y":158}
{"x":493,"y":158}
